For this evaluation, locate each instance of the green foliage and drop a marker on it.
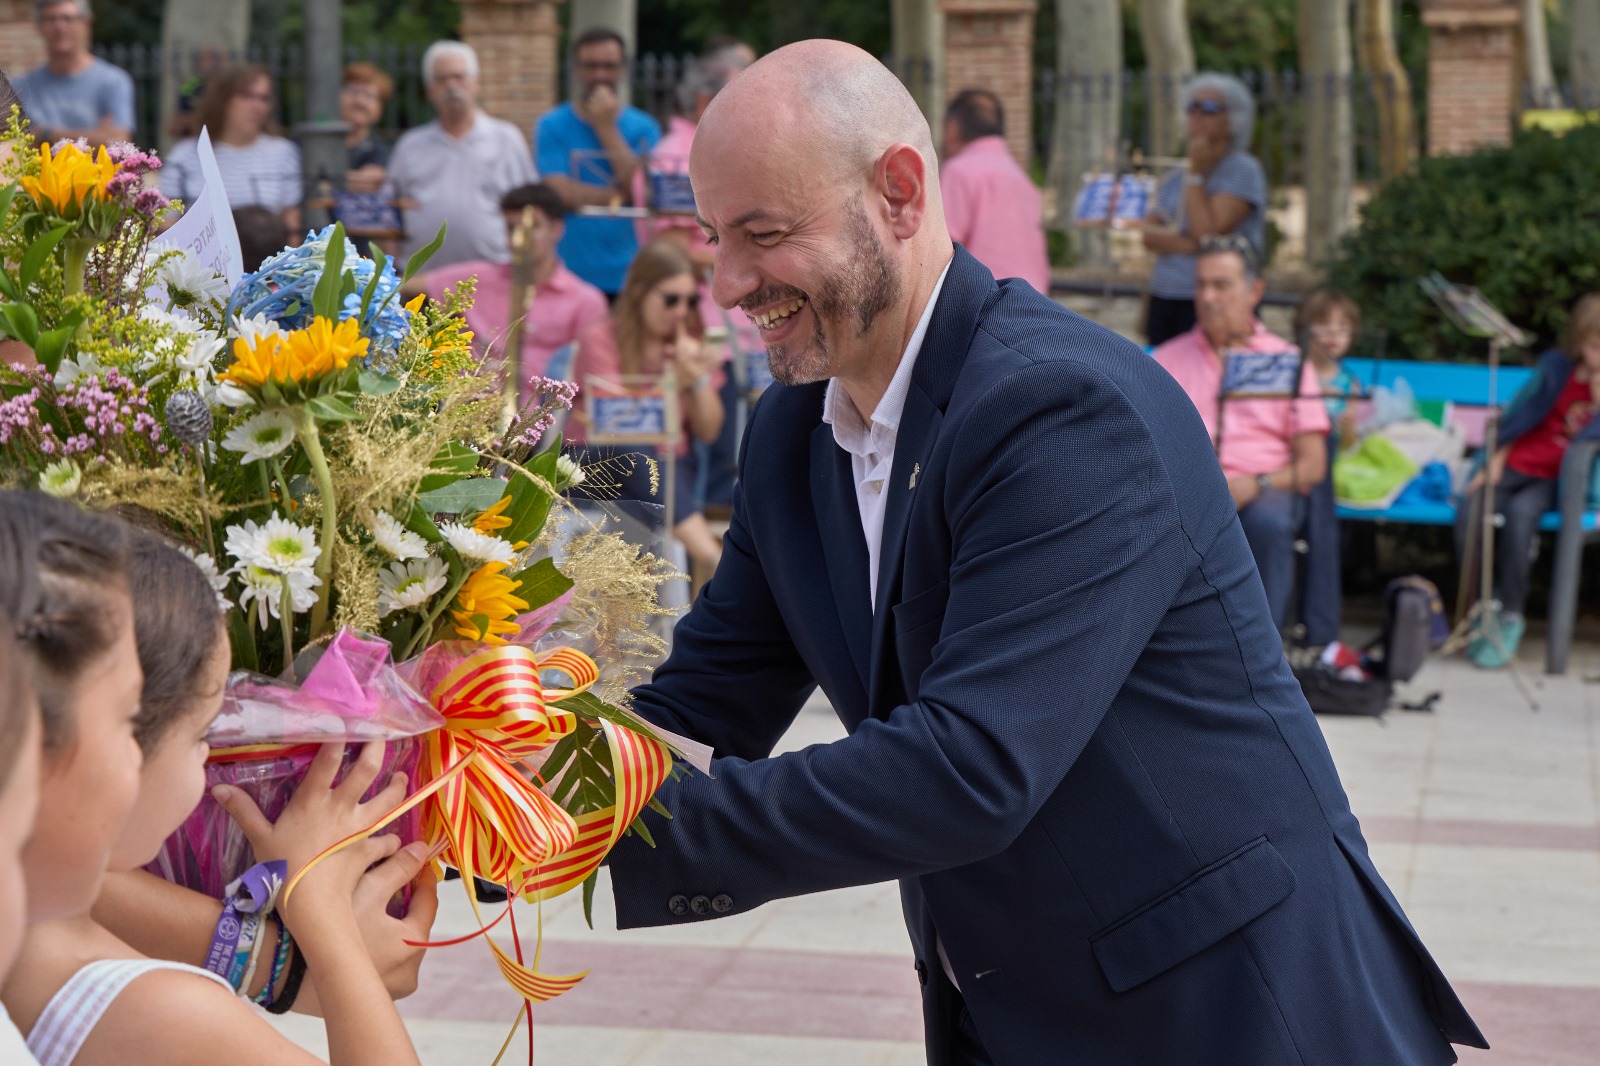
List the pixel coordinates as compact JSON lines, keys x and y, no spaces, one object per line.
{"x":676,"y":26}
{"x":1522,"y":224}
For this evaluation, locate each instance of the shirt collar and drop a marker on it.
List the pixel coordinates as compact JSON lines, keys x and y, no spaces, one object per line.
{"x":853,"y":434}
{"x":994,"y":144}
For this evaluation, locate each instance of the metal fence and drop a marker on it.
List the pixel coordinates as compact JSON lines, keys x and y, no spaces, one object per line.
{"x":1281,"y":97}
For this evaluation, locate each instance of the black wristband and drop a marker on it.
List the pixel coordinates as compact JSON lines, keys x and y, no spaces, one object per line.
{"x":291,"y":984}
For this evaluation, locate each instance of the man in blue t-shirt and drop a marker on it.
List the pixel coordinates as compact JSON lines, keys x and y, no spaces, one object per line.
{"x":74,"y":95}
{"x":587,"y":150}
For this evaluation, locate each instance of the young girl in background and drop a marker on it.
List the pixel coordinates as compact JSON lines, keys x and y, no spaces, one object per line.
{"x":1326,"y":324}
{"x":82,"y":995}
{"x":19,"y":800}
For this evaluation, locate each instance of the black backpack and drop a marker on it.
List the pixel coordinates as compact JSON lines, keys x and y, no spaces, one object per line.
{"x":1414,"y":624}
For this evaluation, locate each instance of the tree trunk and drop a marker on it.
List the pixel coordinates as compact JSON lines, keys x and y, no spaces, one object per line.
{"x":1391,"y":86}
{"x":187,"y":28}
{"x":1329,"y":148}
{"x":917,"y":29}
{"x":1583,"y":32}
{"x":619,"y":15}
{"x":1169,"y":54}
{"x":1088,"y":113}
{"x":1540,"y":76}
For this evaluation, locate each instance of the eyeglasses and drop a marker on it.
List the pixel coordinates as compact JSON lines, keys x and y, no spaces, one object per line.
{"x":1207,"y":107}
{"x":600,"y":64}
{"x":671,"y":300}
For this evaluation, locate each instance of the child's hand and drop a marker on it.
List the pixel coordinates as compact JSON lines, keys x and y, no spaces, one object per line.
{"x":318,"y":816}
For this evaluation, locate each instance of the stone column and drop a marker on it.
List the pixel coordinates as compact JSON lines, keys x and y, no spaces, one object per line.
{"x":517,"y":43}
{"x":1473,"y":68}
{"x":988,"y":44}
{"x":20,"y":47}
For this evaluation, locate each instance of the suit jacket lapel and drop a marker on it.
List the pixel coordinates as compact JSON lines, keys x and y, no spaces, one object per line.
{"x":844,"y":546}
{"x":944,"y":352}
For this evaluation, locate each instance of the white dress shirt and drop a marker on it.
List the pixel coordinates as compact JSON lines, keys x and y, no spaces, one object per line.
{"x":871,"y":447}
{"x":871,"y":451}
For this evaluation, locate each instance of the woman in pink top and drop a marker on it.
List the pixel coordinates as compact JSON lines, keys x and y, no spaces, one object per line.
{"x":656,"y":323}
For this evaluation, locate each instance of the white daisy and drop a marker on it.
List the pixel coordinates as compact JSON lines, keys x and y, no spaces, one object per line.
{"x":256,"y":327}
{"x":86,"y":365}
{"x":476,"y":547}
{"x":395,"y":540}
{"x":190,"y":282}
{"x":227,"y":395}
{"x":265,"y":587}
{"x":568,"y":473}
{"x":277,"y":545}
{"x":261,"y":436}
{"x":60,"y":478}
{"x":407,"y":586}
{"x":208,"y":567}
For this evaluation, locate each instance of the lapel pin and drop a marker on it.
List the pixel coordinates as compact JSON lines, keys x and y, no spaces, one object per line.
{"x":916,"y":469}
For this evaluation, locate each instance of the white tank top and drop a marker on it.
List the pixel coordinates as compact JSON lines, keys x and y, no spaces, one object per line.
{"x":78,"y":1006}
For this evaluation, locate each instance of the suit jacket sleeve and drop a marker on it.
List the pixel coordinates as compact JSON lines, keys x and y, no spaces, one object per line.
{"x":1066,"y":552}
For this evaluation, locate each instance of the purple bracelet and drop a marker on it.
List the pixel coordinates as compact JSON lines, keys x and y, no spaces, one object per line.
{"x":264,"y":998}
{"x":253,"y":892}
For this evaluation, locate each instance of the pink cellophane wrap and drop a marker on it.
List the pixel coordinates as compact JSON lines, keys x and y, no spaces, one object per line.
{"x":353,"y":694}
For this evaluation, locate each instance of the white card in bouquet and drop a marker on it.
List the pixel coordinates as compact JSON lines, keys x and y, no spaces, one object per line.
{"x":206,"y":229}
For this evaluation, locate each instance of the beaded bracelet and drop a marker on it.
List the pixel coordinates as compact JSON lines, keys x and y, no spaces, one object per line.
{"x":291,"y":986}
{"x":264,"y":997}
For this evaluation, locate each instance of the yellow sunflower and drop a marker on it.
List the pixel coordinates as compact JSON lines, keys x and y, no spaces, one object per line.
{"x":492,"y":520}
{"x":68,"y":177}
{"x":303,"y":356}
{"x":488,"y":593}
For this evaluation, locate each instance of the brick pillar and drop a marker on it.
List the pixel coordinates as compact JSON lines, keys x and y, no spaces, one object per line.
{"x":517,"y":44}
{"x":988,"y":44}
{"x":1474,"y":49}
{"x":20,"y":47}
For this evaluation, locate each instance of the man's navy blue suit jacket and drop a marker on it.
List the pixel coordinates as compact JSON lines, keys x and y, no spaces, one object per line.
{"x":1073,"y":737}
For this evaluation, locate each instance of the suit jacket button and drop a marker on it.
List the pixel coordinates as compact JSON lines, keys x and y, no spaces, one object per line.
{"x":678,"y":905}
{"x":722,"y":904}
{"x":700,"y":905}
{"x":922,"y":973}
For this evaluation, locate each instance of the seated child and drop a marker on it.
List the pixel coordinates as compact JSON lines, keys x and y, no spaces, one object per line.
{"x":1557,"y":407}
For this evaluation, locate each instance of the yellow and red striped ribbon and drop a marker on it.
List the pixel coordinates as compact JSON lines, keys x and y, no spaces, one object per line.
{"x":494,"y":823}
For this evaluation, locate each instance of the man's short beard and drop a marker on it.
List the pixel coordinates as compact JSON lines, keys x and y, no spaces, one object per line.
{"x":863,"y":288}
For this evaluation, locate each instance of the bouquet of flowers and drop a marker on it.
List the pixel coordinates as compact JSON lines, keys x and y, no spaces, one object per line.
{"x":342,"y":468}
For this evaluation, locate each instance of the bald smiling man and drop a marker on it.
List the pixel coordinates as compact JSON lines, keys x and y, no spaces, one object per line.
{"x":996,"y":536}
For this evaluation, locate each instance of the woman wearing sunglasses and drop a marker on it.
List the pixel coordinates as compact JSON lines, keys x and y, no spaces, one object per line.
{"x":1220,"y":190}
{"x":655,"y":324}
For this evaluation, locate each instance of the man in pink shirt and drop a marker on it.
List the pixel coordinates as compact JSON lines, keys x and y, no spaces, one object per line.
{"x":1272,"y":450}
{"x":990,"y":204}
{"x":563,"y":304}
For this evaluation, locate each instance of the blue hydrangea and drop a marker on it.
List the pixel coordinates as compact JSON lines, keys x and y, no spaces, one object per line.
{"x":282,"y":289}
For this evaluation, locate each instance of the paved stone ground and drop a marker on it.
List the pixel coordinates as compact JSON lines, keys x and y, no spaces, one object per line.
{"x":1484,"y":817}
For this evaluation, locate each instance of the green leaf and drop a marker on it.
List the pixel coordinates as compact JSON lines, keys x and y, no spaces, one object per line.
{"x":418,"y":522}
{"x":52,"y":344}
{"x":33,"y":259}
{"x":21,"y":323}
{"x":373,"y":383}
{"x":8,"y":288}
{"x":454,"y":462}
{"x":422,"y":255}
{"x":328,"y":295}
{"x":372,"y":283}
{"x":331,"y":409}
{"x":530,"y":502}
{"x":638,"y":826}
{"x":463,"y":497}
{"x":7,"y":195}
{"x":541,"y":583}
{"x":588,"y":897}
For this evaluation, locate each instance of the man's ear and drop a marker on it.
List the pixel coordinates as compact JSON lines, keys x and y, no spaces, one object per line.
{"x":901,"y":178}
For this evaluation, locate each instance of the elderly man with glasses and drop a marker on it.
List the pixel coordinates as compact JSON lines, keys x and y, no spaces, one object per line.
{"x":1273,"y":449}
{"x":588,"y":150}
{"x":1220,"y":190}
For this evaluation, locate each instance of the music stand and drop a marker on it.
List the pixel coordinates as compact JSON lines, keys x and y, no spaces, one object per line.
{"x":1470,"y":312}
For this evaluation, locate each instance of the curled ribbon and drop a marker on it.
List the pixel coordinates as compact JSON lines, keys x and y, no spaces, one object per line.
{"x":484,"y":812}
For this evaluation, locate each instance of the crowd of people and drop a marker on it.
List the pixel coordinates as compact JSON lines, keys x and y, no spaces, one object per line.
{"x":606,"y":279}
